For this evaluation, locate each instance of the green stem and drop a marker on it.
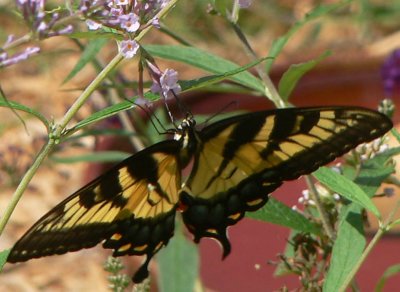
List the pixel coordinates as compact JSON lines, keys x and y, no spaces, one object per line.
{"x":360,"y":261}
{"x":17,"y":42}
{"x":54,"y":139}
{"x":86,"y":94}
{"x":269,"y":87}
{"x":321,"y":210}
{"x":24,"y":183}
{"x":382,"y":229}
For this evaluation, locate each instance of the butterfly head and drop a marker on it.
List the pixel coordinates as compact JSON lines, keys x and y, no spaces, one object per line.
{"x":185,"y":129}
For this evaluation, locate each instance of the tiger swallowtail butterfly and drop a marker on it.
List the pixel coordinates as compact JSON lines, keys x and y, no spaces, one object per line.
{"x":236,"y":163}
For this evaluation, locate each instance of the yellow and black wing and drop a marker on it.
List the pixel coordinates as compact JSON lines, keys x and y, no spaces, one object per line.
{"x":131,"y":208}
{"x":240,"y":160}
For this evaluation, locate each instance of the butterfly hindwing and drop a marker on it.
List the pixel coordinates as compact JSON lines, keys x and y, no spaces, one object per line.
{"x":131,"y":208}
{"x":244,"y":158}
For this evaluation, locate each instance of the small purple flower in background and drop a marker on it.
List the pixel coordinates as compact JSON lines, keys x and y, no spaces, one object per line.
{"x":93,"y":25}
{"x":125,"y":15}
{"x":155,"y":22}
{"x":244,"y":3}
{"x":168,"y":83}
{"x":41,"y":22}
{"x":391,"y":73}
{"x":153,"y":5}
{"x":130,"y":22}
{"x":121,"y":2}
{"x":128,"y":48}
{"x":5,"y":60}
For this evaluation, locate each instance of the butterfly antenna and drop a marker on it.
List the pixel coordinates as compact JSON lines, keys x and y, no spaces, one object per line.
{"x":171,"y":117}
{"x":182,"y":106}
{"x":151,"y":117}
{"x":220,"y":111}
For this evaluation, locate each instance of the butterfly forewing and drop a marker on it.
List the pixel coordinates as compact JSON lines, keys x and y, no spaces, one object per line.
{"x":244,"y":158}
{"x":131,"y":208}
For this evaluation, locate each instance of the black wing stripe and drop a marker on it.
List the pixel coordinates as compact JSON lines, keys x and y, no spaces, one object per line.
{"x":100,"y":210}
{"x":241,"y":134}
{"x":270,"y":147}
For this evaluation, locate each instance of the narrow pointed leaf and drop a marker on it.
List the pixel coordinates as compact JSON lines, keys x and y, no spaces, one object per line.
{"x":205,"y":61}
{"x":396,"y":134}
{"x":345,"y":187}
{"x":279,"y":44}
{"x":213,"y":79}
{"x":278,"y":213}
{"x":100,"y":156}
{"x":3,"y":258}
{"x":90,"y":52}
{"x":389,"y":272}
{"x":186,"y":86}
{"x":347,"y":249}
{"x":103,"y":114}
{"x":20,"y":107}
{"x":178,"y":264}
{"x":290,"y":78}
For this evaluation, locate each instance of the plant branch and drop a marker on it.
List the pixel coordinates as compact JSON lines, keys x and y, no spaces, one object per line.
{"x":381,"y":231}
{"x":269,"y":87}
{"x":24,"y":183}
{"x":321,"y":210}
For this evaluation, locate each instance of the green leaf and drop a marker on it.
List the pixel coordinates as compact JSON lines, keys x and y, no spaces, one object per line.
{"x":89,"y":54}
{"x":290,"y":78}
{"x":3,"y":258}
{"x":389,"y":272}
{"x":205,"y":61}
{"x":279,"y":43}
{"x":103,"y":114}
{"x":101,"y":132}
{"x":381,"y":158}
{"x":186,"y":86}
{"x":178,"y":264}
{"x":394,"y":223}
{"x":347,"y":249}
{"x":373,"y":172}
{"x":345,"y":187}
{"x":278,"y":213}
{"x":222,"y":6}
{"x":17,"y":106}
{"x":99,"y":156}
{"x":396,"y":134}
{"x":213,"y":79}
{"x":370,"y":179}
{"x":87,"y":35}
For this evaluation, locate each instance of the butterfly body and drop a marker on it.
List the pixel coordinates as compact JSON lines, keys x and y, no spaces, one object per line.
{"x":235,"y":164}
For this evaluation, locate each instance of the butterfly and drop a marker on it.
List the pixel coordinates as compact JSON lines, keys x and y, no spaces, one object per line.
{"x":235,"y":164}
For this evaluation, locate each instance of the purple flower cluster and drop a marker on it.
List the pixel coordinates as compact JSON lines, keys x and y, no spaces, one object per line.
{"x":391,"y":73}
{"x":165,"y":83}
{"x":128,"y":48}
{"x":124,"y":15}
{"x":244,"y":3}
{"x":43,"y":24}
{"x":127,"y":16}
{"x":6,"y":60}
